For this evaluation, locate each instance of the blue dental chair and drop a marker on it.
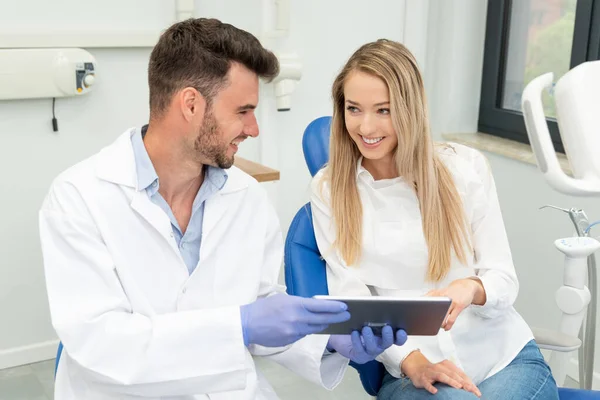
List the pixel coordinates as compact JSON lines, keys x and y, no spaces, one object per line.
{"x":305,"y":269}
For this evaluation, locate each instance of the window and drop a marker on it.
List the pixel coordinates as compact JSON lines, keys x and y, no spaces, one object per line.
{"x":525,"y":39}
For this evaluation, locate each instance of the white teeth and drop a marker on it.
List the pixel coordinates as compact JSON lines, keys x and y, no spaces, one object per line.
{"x":371,"y":141}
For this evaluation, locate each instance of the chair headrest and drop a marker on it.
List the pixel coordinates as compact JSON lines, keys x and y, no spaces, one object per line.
{"x":315,"y":144}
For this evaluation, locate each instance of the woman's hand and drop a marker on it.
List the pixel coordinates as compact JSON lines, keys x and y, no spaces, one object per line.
{"x":424,"y":374}
{"x":463,"y":293}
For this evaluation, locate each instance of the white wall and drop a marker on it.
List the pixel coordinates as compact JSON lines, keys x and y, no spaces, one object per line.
{"x":453,"y":76}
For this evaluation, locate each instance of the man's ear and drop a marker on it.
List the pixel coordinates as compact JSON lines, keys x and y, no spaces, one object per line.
{"x":192,"y":104}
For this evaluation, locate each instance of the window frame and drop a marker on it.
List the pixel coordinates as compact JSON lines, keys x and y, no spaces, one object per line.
{"x":506,"y":123}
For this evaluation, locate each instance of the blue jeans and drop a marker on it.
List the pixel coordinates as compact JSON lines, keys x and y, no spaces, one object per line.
{"x":527,"y":377}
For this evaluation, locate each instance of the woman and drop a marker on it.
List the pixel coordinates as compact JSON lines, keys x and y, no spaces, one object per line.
{"x":396,"y":215}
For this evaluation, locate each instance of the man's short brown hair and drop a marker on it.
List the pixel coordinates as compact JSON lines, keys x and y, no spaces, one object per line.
{"x":198,"y":53}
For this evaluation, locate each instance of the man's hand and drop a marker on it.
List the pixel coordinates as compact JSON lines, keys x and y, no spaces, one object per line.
{"x":280,"y":320}
{"x":463,"y":293}
{"x":366,"y":347}
{"x":424,"y":374}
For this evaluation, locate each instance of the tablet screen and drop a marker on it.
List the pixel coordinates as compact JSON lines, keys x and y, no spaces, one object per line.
{"x":421,"y":316}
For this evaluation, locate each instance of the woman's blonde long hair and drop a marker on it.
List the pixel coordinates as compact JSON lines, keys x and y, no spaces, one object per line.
{"x":444,"y":222}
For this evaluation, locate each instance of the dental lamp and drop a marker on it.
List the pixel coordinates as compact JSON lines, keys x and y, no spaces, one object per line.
{"x":577,"y":103}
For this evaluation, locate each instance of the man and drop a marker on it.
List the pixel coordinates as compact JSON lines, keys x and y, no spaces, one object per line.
{"x":162,"y":259}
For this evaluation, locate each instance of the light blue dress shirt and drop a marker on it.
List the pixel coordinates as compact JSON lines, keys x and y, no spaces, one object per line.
{"x":147,"y":179}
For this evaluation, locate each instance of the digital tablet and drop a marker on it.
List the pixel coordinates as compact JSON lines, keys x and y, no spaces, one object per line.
{"x":421,"y":316}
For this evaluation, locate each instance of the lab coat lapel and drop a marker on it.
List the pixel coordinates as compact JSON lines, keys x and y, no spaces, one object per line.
{"x":214,"y":209}
{"x":116,"y":164}
{"x":216,"y":206}
{"x":153,"y":214}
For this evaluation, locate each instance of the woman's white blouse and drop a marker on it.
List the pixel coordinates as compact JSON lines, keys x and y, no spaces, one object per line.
{"x":394,"y":258}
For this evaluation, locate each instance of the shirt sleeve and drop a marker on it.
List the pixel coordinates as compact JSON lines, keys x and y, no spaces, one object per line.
{"x":493,"y":259}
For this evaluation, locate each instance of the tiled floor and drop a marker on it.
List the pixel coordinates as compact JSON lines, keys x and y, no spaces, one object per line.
{"x":28,"y":382}
{"x":35,"y":382}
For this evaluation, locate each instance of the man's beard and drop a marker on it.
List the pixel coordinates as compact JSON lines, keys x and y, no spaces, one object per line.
{"x":208,"y":143}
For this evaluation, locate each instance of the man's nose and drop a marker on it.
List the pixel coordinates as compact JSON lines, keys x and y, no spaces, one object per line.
{"x":251,"y":129}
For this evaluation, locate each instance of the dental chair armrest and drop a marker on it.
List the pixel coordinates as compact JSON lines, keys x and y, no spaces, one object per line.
{"x":553,"y":340}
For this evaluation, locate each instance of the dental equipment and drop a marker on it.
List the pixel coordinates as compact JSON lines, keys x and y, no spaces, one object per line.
{"x":577,"y":103}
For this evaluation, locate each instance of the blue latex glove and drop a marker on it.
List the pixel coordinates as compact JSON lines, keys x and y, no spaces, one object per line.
{"x":280,"y":320}
{"x":362,"y":349}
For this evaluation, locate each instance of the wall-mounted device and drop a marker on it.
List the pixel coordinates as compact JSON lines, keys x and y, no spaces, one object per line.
{"x":45,"y":73}
{"x":276,"y":19}
{"x":290,"y":72}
